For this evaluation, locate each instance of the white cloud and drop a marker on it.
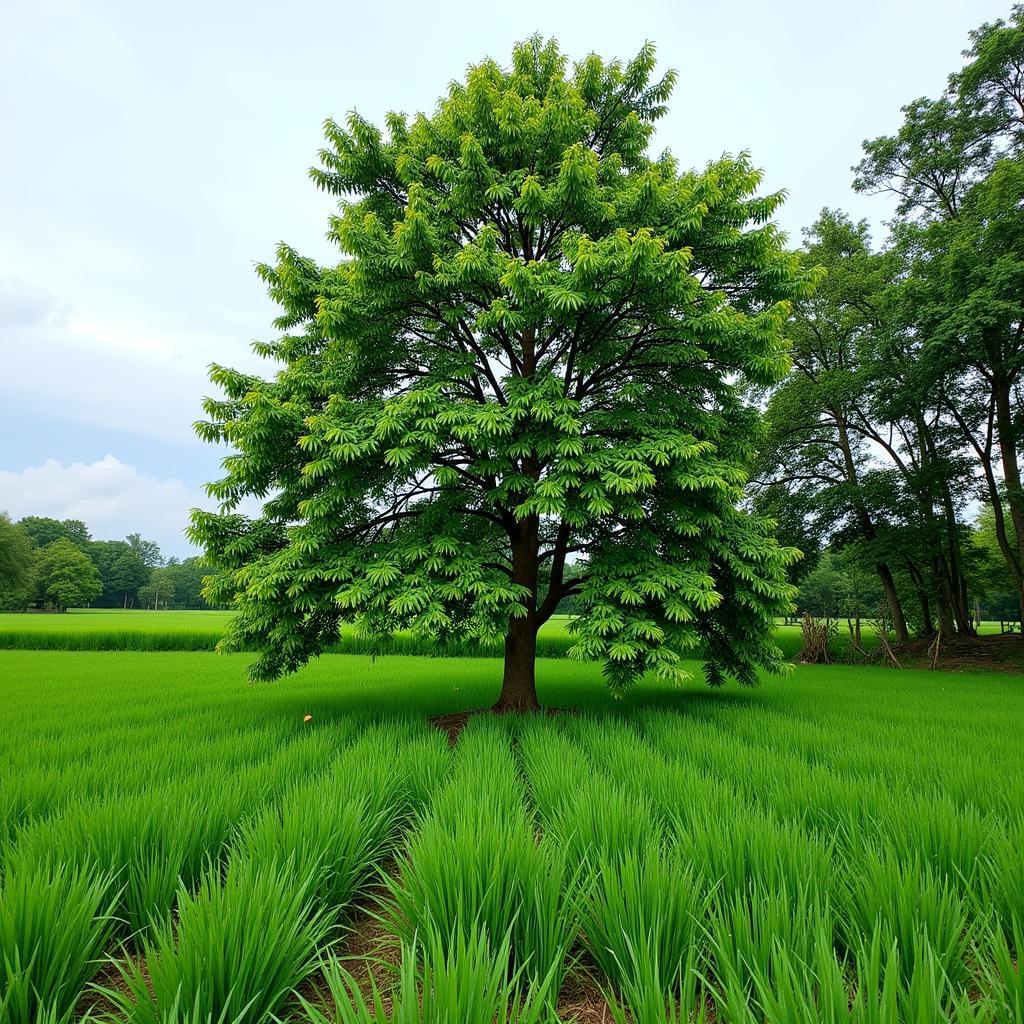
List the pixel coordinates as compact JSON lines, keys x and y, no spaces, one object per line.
{"x":112,"y":498}
{"x":126,"y":375}
{"x":28,"y":305}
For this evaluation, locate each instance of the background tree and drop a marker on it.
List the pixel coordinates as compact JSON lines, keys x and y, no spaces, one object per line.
{"x":826,"y":591}
{"x":158,"y":592}
{"x":991,"y":84}
{"x":147,"y":551}
{"x":957,"y":168}
{"x":43,"y":531}
{"x":815,"y":461}
{"x":186,"y":578}
{"x":65,"y":577}
{"x":964,"y":288}
{"x":16,"y":583}
{"x":991,"y":583}
{"x":537,"y":346}
{"x":905,"y":406}
{"x":121,"y":569}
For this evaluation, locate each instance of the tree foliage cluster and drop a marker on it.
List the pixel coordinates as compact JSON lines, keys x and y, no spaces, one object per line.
{"x":535,"y":353}
{"x":51,"y":563}
{"x":903,"y":412}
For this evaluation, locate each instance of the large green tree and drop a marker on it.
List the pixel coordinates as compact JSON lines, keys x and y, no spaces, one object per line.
{"x":187,"y":579}
{"x":65,"y":576}
{"x":158,"y":592}
{"x":15,"y":564}
{"x":147,"y":551}
{"x":536,"y":347}
{"x":956,"y":165}
{"x":816,"y":459}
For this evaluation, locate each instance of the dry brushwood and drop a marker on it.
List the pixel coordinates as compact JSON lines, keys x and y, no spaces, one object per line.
{"x":816,"y":636}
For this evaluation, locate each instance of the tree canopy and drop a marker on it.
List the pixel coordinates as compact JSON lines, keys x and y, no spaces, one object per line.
{"x":904,"y":409}
{"x":121,"y":569}
{"x":42,"y":530}
{"x":536,"y":349}
{"x":65,"y":576}
{"x":15,"y":563}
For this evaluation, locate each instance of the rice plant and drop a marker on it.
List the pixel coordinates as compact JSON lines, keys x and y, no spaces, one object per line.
{"x":599,"y":819}
{"x":749,"y":928}
{"x":467,"y":868}
{"x":474,"y":863}
{"x":55,"y":923}
{"x":920,"y":912}
{"x":443,"y":979}
{"x":313,"y":836}
{"x":644,"y":999}
{"x":1003,"y":882}
{"x":643,"y":916}
{"x":239,"y":947}
{"x":547,"y":927}
{"x":848,"y":844}
{"x":1003,"y":978}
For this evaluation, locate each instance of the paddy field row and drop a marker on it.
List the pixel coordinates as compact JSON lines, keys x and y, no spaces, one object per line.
{"x":844,"y":845}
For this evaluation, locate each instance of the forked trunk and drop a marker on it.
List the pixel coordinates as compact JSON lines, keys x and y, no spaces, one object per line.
{"x":519,"y":685}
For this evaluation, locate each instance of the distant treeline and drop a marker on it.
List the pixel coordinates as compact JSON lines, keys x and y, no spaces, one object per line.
{"x":55,"y":564}
{"x":841,"y":582}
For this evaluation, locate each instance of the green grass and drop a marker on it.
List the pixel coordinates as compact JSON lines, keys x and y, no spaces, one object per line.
{"x":101,"y":629}
{"x":843,"y":845}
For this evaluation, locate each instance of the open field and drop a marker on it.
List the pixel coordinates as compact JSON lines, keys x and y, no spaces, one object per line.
{"x":104,"y":629}
{"x":844,"y":845}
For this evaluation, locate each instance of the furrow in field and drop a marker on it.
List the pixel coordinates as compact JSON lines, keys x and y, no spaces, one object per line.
{"x":475,"y":904}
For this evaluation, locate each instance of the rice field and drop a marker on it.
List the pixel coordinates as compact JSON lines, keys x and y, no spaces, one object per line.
{"x":113,"y":629}
{"x":176,"y":846}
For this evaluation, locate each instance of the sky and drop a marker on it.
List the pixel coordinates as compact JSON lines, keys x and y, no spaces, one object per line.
{"x":151,"y":154}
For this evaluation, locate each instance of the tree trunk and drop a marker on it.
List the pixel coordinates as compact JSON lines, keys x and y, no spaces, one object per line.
{"x":943,"y":598}
{"x":957,"y":582}
{"x":927,"y":626}
{"x":1012,"y":555}
{"x":867,"y":526}
{"x":899,"y":620}
{"x":1011,"y":476}
{"x":519,"y":684}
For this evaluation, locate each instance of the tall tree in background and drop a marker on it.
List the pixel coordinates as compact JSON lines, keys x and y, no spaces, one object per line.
{"x":904,"y":405}
{"x":187,"y":581}
{"x":147,"y":551}
{"x":158,"y":592}
{"x":991,"y":84}
{"x":15,"y":565}
{"x":988,"y":570}
{"x":43,"y":530}
{"x":965,"y":293}
{"x":956,"y":165}
{"x":536,"y":347}
{"x":64,"y":575}
{"x":816,"y":448}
